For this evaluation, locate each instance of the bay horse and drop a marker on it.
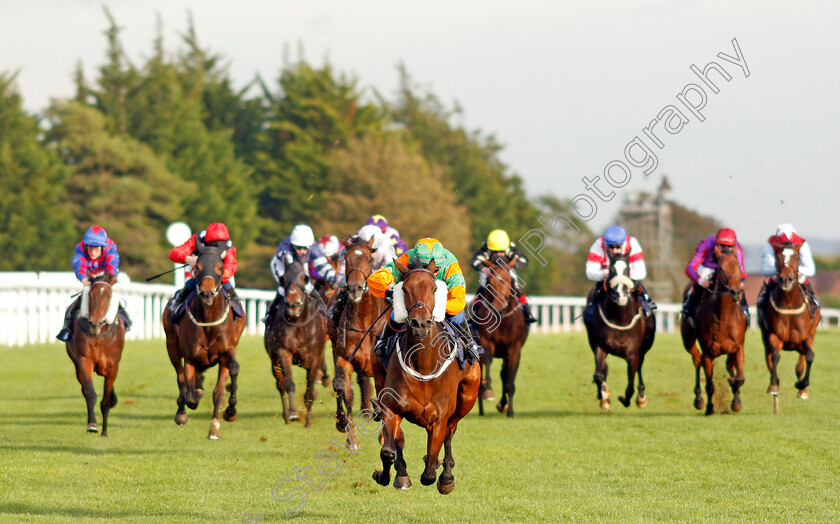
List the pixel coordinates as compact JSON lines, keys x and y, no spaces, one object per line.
{"x":205,"y":336}
{"x":502,"y":330}
{"x":425,"y":389}
{"x":785,"y":321}
{"x":355,"y":329}
{"x":296,"y":335}
{"x":620,"y":328}
{"x":97,"y":345}
{"x":720,"y":329}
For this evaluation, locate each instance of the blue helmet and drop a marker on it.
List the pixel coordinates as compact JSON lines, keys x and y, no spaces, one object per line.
{"x":615,"y":235}
{"x":95,"y":236}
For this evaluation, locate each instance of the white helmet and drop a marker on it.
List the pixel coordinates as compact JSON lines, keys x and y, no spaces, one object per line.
{"x":368,"y":232}
{"x":785,"y":229}
{"x":329,"y":245}
{"x":302,"y":236}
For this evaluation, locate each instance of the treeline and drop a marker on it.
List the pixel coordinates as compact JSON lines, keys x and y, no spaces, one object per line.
{"x":171,"y":139}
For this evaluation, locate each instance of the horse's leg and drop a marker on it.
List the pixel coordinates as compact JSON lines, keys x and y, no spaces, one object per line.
{"x":600,"y":377}
{"x":309,"y":395}
{"x":502,"y":406}
{"x":697,"y":359}
{"x":388,"y":453}
{"x":177,"y":362}
{"x":365,"y":388}
{"x":191,"y":396}
{"x":401,"y":480}
{"x":288,"y":386}
{"x":84,"y":372}
{"x":434,"y":440}
{"x":735,"y":366}
{"x":641,"y":399}
{"x":446,"y":480}
{"x":708,"y":368}
{"x":106,"y":404}
{"x":804,"y":379}
{"x":772,"y":347}
{"x":632,"y":368}
{"x":218,"y":400}
{"x":511,"y":366}
{"x":340,"y":387}
{"x":233,"y":368}
{"x":486,"y":392}
{"x":280,"y":383}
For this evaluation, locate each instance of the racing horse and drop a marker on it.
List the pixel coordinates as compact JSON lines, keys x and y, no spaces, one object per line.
{"x":97,"y":346}
{"x":498,"y":321}
{"x":620,"y":328}
{"x":786,"y":322}
{"x":353,"y":338}
{"x":720,"y":329}
{"x":296,"y":335}
{"x":206,"y":335}
{"x":424,"y":388}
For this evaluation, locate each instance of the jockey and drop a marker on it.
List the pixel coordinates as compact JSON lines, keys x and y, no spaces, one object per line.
{"x":383,"y":253}
{"x":448,"y":271}
{"x":786,"y":233}
{"x":498,"y":243}
{"x":390,"y":233}
{"x":96,"y":253}
{"x":216,"y":235}
{"x":615,"y":241}
{"x":701,"y":269}
{"x":299,"y":246}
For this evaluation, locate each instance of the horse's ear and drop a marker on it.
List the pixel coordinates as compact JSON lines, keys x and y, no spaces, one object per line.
{"x":346,"y":242}
{"x":400,"y":267}
{"x":199,"y":243}
{"x":370,"y":242}
{"x":432,"y":266}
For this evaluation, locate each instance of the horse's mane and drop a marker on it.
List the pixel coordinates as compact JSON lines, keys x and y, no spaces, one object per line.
{"x":415,"y":264}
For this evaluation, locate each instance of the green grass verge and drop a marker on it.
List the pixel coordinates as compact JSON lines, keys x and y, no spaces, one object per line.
{"x":560,"y":459}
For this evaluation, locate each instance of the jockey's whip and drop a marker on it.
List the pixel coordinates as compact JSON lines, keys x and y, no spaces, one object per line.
{"x":165,"y":272}
{"x":353,"y":354}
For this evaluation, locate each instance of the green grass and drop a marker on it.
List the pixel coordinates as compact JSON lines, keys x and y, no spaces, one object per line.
{"x":560,"y":459}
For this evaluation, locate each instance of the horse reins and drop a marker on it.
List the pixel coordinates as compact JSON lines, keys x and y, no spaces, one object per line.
{"x":109,"y":324}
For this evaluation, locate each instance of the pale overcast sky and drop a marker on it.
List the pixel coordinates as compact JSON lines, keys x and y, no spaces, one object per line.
{"x":564,"y":86}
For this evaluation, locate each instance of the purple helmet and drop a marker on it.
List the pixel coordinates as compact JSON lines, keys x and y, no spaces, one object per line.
{"x":95,"y":237}
{"x":378,"y":221}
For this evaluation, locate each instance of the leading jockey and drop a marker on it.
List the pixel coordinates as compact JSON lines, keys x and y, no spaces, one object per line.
{"x":785,"y":233}
{"x":448,"y":271}
{"x":498,"y":244}
{"x":383,"y":253}
{"x":216,"y":235}
{"x":616,"y":241}
{"x":701,"y":269}
{"x":389,"y":232}
{"x":96,"y":253}
{"x":299,"y":247}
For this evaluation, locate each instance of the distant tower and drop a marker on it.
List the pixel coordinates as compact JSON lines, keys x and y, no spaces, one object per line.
{"x":648,"y":218}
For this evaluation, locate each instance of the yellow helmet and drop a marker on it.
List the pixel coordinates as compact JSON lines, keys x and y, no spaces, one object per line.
{"x":498,"y":240}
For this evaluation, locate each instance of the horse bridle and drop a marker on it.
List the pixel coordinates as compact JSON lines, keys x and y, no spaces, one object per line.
{"x":109,"y":324}
{"x":419,"y":302}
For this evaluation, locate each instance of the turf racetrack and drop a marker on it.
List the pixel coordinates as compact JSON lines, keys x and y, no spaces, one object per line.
{"x":560,"y":459}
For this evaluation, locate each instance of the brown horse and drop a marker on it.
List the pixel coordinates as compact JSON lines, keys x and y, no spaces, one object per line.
{"x":785,"y":321}
{"x":97,"y":346}
{"x":355,"y":330}
{"x":431,"y":393}
{"x":296,"y":335}
{"x":620,"y":328}
{"x":720,"y":328}
{"x":205,"y":336}
{"x":502,"y":330}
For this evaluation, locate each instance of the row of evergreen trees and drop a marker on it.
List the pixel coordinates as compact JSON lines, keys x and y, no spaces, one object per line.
{"x":171,"y":139}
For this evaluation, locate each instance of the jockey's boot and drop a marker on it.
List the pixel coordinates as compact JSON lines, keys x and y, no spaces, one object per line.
{"x":381,"y":347}
{"x":69,"y":315}
{"x":746,"y":308}
{"x":814,"y":301}
{"x":648,"y":305}
{"x":232,"y":293}
{"x":594,"y":293}
{"x":337,"y":306}
{"x":181,"y":295}
{"x":272,"y":309}
{"x":529,"y":316}
{"x":690,"y":303}
{"x":472,"y":350}
{"x":121,"y":312}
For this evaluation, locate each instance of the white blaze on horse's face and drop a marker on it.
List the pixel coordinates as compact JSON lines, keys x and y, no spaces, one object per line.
{"x":788,"y":253}
{"x":618,"y":284}
{"x":357,"y":252}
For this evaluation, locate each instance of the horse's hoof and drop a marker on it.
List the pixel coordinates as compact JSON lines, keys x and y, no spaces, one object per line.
{"x":181,"y":419}
{"x":92,"y":428}
{"x":605,"y":391}
{"x":605,"y":403}
{"x":214,"y":430}
{"x":800,"y":385}
{"x":803,"y":394}
{"x":625,"y":401}
{"x":199,"y":393}
{"x":641,"y":402}
{"x":445,"y":489}
{"x":402,"y":483}
{"x":488,"y":394}
{"x":293,"y":416}
{"x":773,"y":389}
{"x":353,"y":445}
{"x":211,"y":436}
{"x":736,"y":406}
{"x":229,"y":414}
{"x":710,"y":410}
{"x":381,"y":478}
{"x":501,"y":408}
{"x":341,"y":425}
{"x":699,"y":404}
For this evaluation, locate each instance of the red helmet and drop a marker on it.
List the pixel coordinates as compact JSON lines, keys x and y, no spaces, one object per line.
{"x":216,"y":231}
{"x":726,"y":237}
